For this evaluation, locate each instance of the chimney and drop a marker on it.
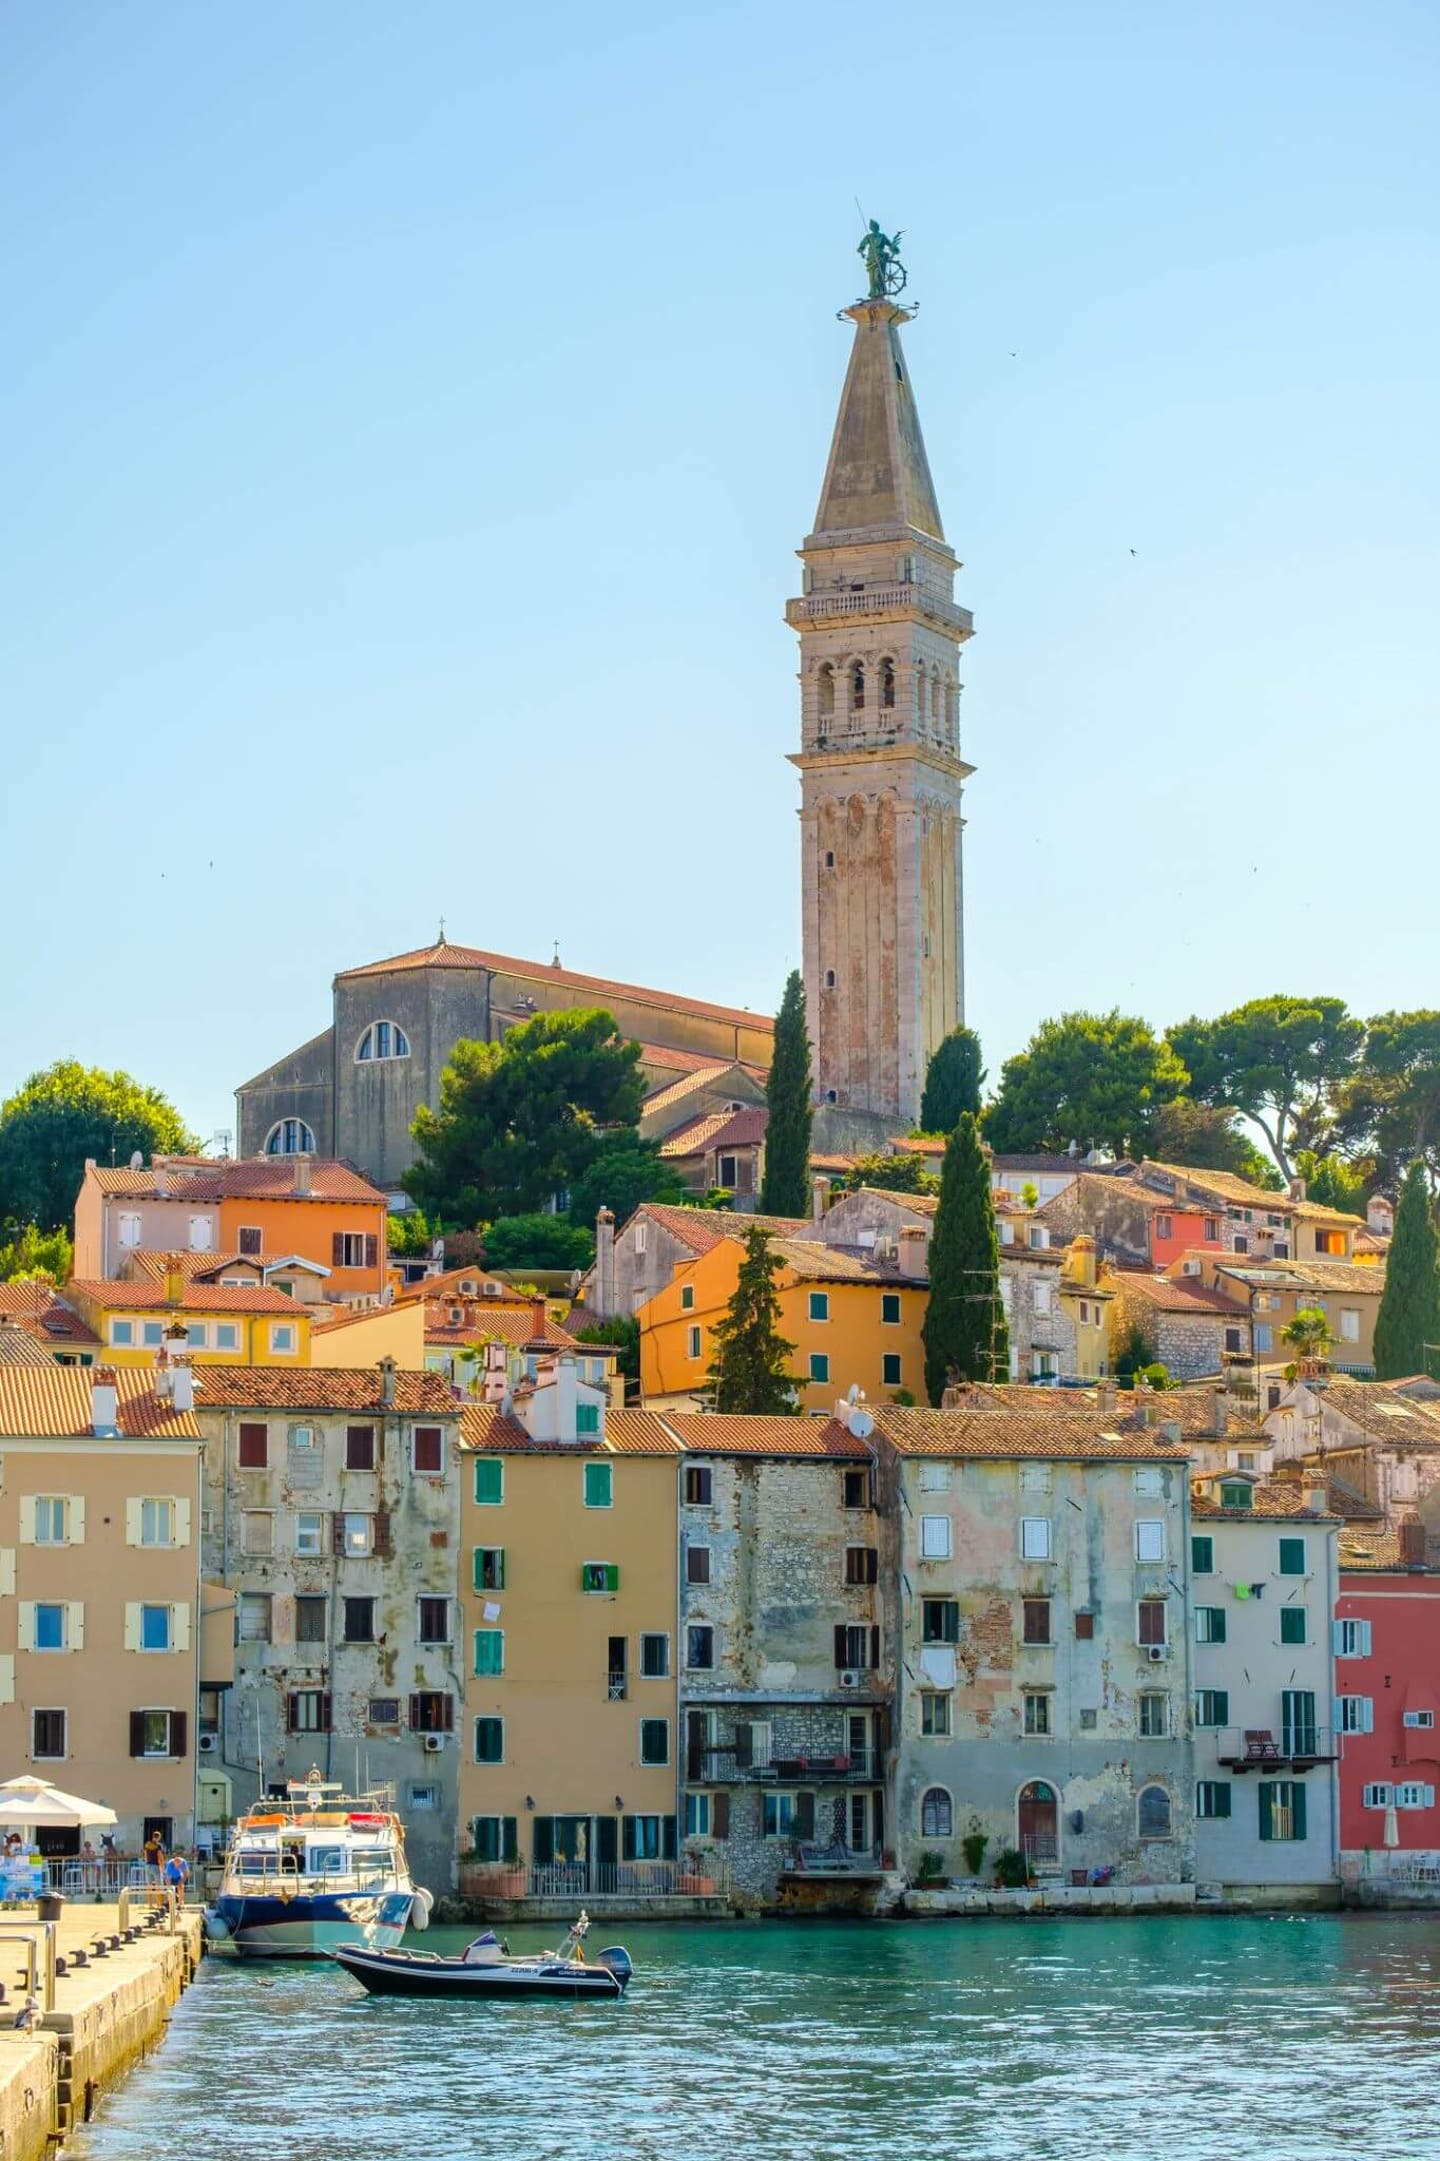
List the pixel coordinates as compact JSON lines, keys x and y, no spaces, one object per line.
{"x":914,"y":1252}
{"x":537,"y":1320}
{"x":604,"y":1264}
{"x":387,"y":1383}
{"x":1219,"y":1412}
{"x":819,"y":1195}
{"x":182,"y":1385}
{"x":1172,"y":1432}
{"x":174,"y":1280}
{"x":302,"y":1177}
{"x":1414,"y":1543}
{"x":1298,"y":1189}
{"x":1082,"y":1257}
{"x":1315,"y":1494}
{"x":1107,"y":1398}
{"x":567,"y":1398}
{"x":159,"y":1171}
{"x":104,"y":1403}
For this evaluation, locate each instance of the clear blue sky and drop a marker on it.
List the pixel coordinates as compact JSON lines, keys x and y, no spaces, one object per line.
{"x":409,"y":413}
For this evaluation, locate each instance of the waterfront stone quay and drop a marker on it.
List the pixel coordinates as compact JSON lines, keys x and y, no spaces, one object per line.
{"x":94,"y":1991}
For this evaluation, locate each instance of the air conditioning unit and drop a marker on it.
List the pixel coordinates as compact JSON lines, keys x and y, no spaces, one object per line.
{"x":434,"y":1742}
{"x":209,"y":1744}
{"x":852,"y":1680}
{"x":1157,"y":1651}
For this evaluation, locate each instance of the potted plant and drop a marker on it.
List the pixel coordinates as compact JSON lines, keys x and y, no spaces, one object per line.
{"x":973,"y":1845}
{"x":696,"y":1878}
{"x":931,"y":1876}
{"x":1012,"y":1870}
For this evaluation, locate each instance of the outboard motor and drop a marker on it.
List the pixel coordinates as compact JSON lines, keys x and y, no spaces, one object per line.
{"x":616,"y":1960}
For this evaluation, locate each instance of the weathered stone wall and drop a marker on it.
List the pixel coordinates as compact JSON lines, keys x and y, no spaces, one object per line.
{"x":300,"y":1085}
{"x":1032,"y":1331}
{"x":1105,"y":1209}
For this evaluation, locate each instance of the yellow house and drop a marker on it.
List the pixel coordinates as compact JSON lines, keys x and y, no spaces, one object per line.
{"x":210,"y":1323}
{"x":100,"y":1619}
{"x":569,"y":1770}
{"x":1087,"y":1301}
{"x":853,"y":1322}
{"x":364,"y":1338}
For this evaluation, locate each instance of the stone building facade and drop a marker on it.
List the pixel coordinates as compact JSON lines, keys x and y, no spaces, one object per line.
{"x":1192,"y":1328}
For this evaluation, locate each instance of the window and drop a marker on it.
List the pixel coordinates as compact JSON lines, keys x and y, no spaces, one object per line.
{"x":1037,"y":1711}
{"x":157,"y":1631}
{"x":489,"y":1481}
{"x":382,"y":1039}
{"x":862,"y":1564}
{"x":687,"y":1298}
{"x":1084,"y":1627}
{"x":52,"y":1519}
{"x":1349,"y":1324}
{"x":308,"y":1711}
{"x":819,"y":1305}
{"x":489,"y":1740}
{"x":1425,"y":1719}
{"x":227,"y":1335}
{"x":1355,"y":1714}
{"x":354,"y":1249}
{"x":1379,"y":1795}
{"x":934,"y":1478}
{"x":427,"y":1451}
{"x":312,"y":1616}
{"x":654,"y":1740}
{"x":890,"y":1369}
{"x":700,"y":1647}
{"x":360,"y":1448}
{"x":697,"y":1564}
{"x":493,"y":1838}
{"x":934,"y":1538}
{"x":1212,"y":1707}
{"x":250,"y":1241}
{"x":489,"y":1651}
{"x":47,"y":1734}
{"x":201,"y":1233}
{"x":782,"y":1814}
{"x":819,"y":1366}
{"x":654,"y":1658}
{"x":359,"y":1620}
{"x":354,"y":1534}
{"x":939,"y":1620}
{"x":1282,"y":1809}
{"x":282,"y":1338}
{"x":600,"y":1576}
{"x":1154,"y":1715}
{"x":157,"y":1733}
{"x":855,"y":1489}
{"x":1152,"y":1814}
{"x":1299,"y":1734}
{"x":935,"y":1713}
{"x":1150,"y":1538}
{"x":488,"y":1568}
{"x":697,"y":1815}
{"x":1164,"y":1227}
{"x":434,"y":1621}
{"x":1089,"y":1720}
{"x":129,"y":1229}
{"x":1293,"y":1625}
{"x":857,"y":1646}
{"x":257,"y":1531}
{"x":152,"y":1334}
{"x":50,"y":1630}
{"x":122,"y":1333}
{"x":1150,"y":1622}
{"x":1352,"y":1639}
{"x":384,"y":1711}
{"x":1212,"y":1798}
{"x":692,"y":1341}
{"x":937,"y":1813}
{"x":1150,"y":1481}
{"x":424,"y":1796}
{"x":1209,"y":1624}
{"x":1292,"y":1557}
{"x":699,"y":1485}
{"x":1036,"y":1620}
{"x":310,"y":1531}
{"x":1237,"y":1493}
{"x":599,"y":1485}
{"x":290,"y":1137}
{"x":890,"y":1309}
{"x":1409,"y":1795}
{"x":1202,"y":1555}
{"x":1034,"y":1538}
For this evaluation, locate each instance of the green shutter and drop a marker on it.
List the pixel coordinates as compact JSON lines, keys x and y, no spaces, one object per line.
{"x":489,"y":1481}
{"x":1202,"y":1556}
{"x":627,"y":1838}
{"x":1267,"y":1809}
{"x":1297,"y":1809}
{"x":606,"y":1841}
{"x":489,"y":1651}
{"x":667,"y":1838}
{"x":509,"y":1843}
{"x":543,"y":1841}
{"x":1292,"y":1556}
{"x":587,"y":1418}
{"x":1292,"y":1624}
{"x":597,"y":1485}
{"x":479,"y":1558}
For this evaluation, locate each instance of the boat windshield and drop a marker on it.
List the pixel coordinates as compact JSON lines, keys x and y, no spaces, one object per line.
{"x":327,"y":1861}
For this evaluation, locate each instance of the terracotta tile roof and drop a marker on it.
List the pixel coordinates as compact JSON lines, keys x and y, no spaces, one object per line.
{"x":195,"y":1297}
{"x":498,"y":1324}
{"x":1361,"y":1277}
{"x":1365,"y":1548}
{"x":1045,"y":1429}
{"x":449,"y":1282}
{"x":1380,"y":1409}
{"x":38,"y":1309}
{"x":55,"y":1404}
{"x":702,"y":1229}
{"x":719,"y":1129}
{"x":638,"y":1433}
{"x":1041,"y":1161}
{"x":916,"y":1144}
{"x":1376,"y":1243}
{"x":19,"y":1348}
{"x":1269,"y":1498}
{"x":1224,"y":1185}
{"x":1192,"y":1408}
{"x":1316,"y":1212}
{"x":250,"y":1178}
{"x":1181,"y":1295}
{"x":695,"y":1074}
{"x":465,"y":956}
{"x":839,"y":1164}
{"x":919,"y":1204}
{"x":195,"y":1267}
{"x":492,"y":1431}
{"x":320,"y":1388}
{"x":811,"y":1263}
{"x":706,"y":1433}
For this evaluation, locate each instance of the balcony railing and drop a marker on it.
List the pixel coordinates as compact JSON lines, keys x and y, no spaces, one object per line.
{"x":709,"y":1878}
{"x":721,"y":1766}
{"x":877,"y":600}
{"x":1293,"y":1747}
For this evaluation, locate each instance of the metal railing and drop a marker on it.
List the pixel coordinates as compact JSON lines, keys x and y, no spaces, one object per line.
{"x":1277,"y":1748}
{"x":709,"y":1878}
{"x":721,"y":1766}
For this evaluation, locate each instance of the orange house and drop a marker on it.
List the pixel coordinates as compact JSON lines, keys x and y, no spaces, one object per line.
{"x":268,"y":1209}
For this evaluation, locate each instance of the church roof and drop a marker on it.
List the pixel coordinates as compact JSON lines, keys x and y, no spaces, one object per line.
{"x":878,"y":474}
{"x":446,"y":955}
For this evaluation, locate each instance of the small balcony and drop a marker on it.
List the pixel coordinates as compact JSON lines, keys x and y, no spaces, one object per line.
{"x":599,"y":1883}
{"x":722,"y":1766}
{"x":1297,"y":1747}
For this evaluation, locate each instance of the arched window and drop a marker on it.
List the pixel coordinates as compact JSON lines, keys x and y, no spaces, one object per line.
{"x":935,"y":697}
{"x":952,"y":708}
{"x":826,"y":686}
{"x":887,"y":685}
{"x":857,"y":688}
{"x":1154,"y":1812}
{"x":829,"y":979}
{"x":382,"y":1039}
{"x":937,"y":1813}
{"x":290,"y":1137}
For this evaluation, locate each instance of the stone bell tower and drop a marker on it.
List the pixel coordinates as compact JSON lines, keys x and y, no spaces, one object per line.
{"x":881,"y":771}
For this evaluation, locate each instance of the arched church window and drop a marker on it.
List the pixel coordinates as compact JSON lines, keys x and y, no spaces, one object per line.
{"x":952,"y":708}
{"x":290,"y":1137}
{"x":857,"y":688}
{"x":827,"y":690}
{"x":935,"y":697}
{"x":919,"y":695}
{"x":829,"y":979}
{"x":887,"y":684}
{"x":382,"y":1039}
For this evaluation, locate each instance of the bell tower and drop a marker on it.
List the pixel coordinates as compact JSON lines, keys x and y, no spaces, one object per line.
{"x":879,"y":759}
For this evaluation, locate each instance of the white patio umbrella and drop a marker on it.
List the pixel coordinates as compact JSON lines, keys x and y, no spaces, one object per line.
{"x":28,"y":1803}
{"x":1391,"y":1833}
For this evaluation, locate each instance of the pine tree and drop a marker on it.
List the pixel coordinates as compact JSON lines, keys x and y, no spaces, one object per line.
{"x":952,"y":1082}
{"x":965,"y":1329}
{"x":748,"y":1375}
{"x":785,"y":1189}
{"x":1407,"y":1327}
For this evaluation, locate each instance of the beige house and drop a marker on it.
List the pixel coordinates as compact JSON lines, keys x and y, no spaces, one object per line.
{"x":100,"y":1593}
{"x":1348,"y":1293}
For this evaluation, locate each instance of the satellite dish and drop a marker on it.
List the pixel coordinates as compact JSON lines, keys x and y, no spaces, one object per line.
{"x":862,"y":1425}
{"x":852,"y":1393}
{"x":137,"y":1161}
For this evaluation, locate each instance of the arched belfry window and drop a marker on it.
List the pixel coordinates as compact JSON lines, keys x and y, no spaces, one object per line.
{"x":887,"y":685}
{"x":857,"y":688}
{"x":382,"y":1039}
{"x":290,"y":1137}
{"x":935,"y":697}
{"x":952,"y":708}
{"x":826,"y":688}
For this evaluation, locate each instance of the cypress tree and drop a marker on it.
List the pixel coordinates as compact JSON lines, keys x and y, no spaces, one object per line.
{"x":785,"y":1188}
{"x":952,"y":1082}
{"x":748,"y":1374}
{"x":1407,"y":1327}
{"x":965,"y":1328}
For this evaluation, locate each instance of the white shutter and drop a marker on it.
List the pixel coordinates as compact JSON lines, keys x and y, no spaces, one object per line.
{"x":180,"y":1628}
{"x":27,"y":1519}
{"x":7,"y":1571}
{"x":1367,"y":1714}
{"x":1429,"y":1796}
{"x":134,"y":1521}
{"x":1362,"y":1634}
{"x":132,"y":1624}
{"x":76,"y":1515}
{"x":1337,"y":1638}
{"x":25,"y":1626}
{"x":182,"y":1522}
{"x":75,"y":1626}
{"x":7,"y":1679}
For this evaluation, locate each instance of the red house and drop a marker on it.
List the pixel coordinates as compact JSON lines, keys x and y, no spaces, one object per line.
{"x":1387,"y":1691}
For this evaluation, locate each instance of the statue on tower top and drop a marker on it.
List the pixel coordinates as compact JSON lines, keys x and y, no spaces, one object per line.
{"x":882,"y":263}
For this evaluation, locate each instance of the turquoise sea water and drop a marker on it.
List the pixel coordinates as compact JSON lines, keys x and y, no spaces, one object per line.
{"x":1267,"y":2039}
